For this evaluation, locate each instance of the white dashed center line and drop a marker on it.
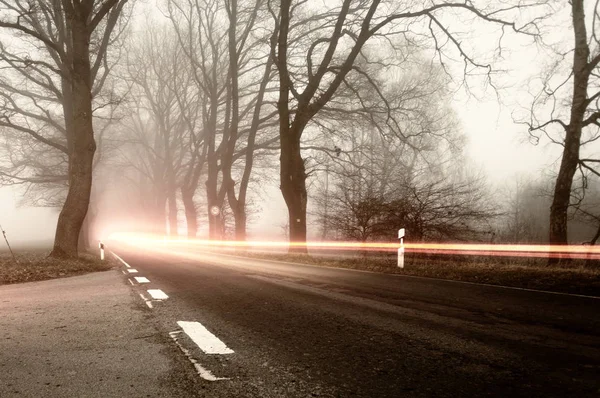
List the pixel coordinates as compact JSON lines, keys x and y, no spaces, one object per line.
{"x":157,"y":294}
{"x":132,"y":270}
{"x":208,"y":342}
{"x":142,"y":279}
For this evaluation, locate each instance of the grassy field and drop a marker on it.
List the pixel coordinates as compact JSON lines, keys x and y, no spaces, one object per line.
{"x":34,"y":265}
{"x":573,"y":277}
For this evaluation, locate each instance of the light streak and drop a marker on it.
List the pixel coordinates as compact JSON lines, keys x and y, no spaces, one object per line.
{"x":470,"y":249}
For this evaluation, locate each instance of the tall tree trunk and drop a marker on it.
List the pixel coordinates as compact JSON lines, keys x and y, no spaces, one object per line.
{"x":191,"y":212}
{"x":212,"y":169}
{"x":84,"y":234}
{"x":240,"y":225}
{"x":211,"y":198}
{"x":570,"y":157}
{"x":239,"y":215}
{"x":293,"y":187}
{"x":238,"y":205}
{"x":292,"y":172}
{"x":81,"y":158}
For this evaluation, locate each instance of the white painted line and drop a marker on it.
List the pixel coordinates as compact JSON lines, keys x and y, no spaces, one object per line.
{"x":130,"y":281}
{"x":124,"y":273}
{"x":141,"y":279}
{"x":121,"y":260}
{"x":208,"y":342}
{"x":202,"y":372}
{"x":157,"y":294}
{"x":132,"y":271}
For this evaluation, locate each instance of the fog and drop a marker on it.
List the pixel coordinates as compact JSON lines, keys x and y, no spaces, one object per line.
{"x":495,"y":144}
{"x":442,"y":131}
{"x":25,"y":226}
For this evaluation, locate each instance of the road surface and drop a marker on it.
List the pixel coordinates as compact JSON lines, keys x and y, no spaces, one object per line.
{"x":298,"y":330}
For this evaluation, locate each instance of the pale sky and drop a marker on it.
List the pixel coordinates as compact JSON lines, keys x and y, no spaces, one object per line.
{"x":500,"y":146}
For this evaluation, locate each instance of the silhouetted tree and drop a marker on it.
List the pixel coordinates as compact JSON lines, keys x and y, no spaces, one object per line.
{"x":69,"y":41}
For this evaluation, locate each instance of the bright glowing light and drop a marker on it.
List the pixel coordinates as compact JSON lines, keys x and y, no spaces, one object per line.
{"x":544,"y":251}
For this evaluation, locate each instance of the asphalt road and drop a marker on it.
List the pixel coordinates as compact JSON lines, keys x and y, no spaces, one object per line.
{"x":300,"y":331}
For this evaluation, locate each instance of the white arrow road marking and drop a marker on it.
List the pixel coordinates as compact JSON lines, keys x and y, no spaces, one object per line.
{"x":208,"y":342}
{"x":157,"y":294}
{"x":202,"y":372}
{"x":132,"y":271}
{"x":142,"y":279}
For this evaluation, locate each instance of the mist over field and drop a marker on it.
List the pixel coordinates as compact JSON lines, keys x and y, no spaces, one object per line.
{"x":25,"y":226}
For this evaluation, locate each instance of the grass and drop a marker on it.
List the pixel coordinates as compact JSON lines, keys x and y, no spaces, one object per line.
{"x":574,"y":277}
{"x":35,"y":265}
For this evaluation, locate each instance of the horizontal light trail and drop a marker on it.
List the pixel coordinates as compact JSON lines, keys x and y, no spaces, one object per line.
{"x":544,"y":251}
{"x":208,"y":342}
{"x":141,"y":279}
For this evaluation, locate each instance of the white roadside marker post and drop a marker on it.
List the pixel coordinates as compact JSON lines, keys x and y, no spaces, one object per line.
{"x":101,"y":247}
{"x":401,"y":248}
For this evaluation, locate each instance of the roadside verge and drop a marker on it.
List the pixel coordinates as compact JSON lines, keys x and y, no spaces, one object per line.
{"x":35,"y":265}
{"x":571,"y":278}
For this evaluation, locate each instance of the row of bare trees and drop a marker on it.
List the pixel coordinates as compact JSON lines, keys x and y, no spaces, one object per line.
{"x":355,"y":92}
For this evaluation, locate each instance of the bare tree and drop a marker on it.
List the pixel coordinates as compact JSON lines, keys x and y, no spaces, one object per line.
{"x":247,"y":53}
{"x":574,"y":82}
{"x":331,"y":41}
{"x":378,"y":186}
{"x":165,"y":146}
{"x":204,"y":43}
{"x":70,"y":41}
{"x":230,"y":61}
